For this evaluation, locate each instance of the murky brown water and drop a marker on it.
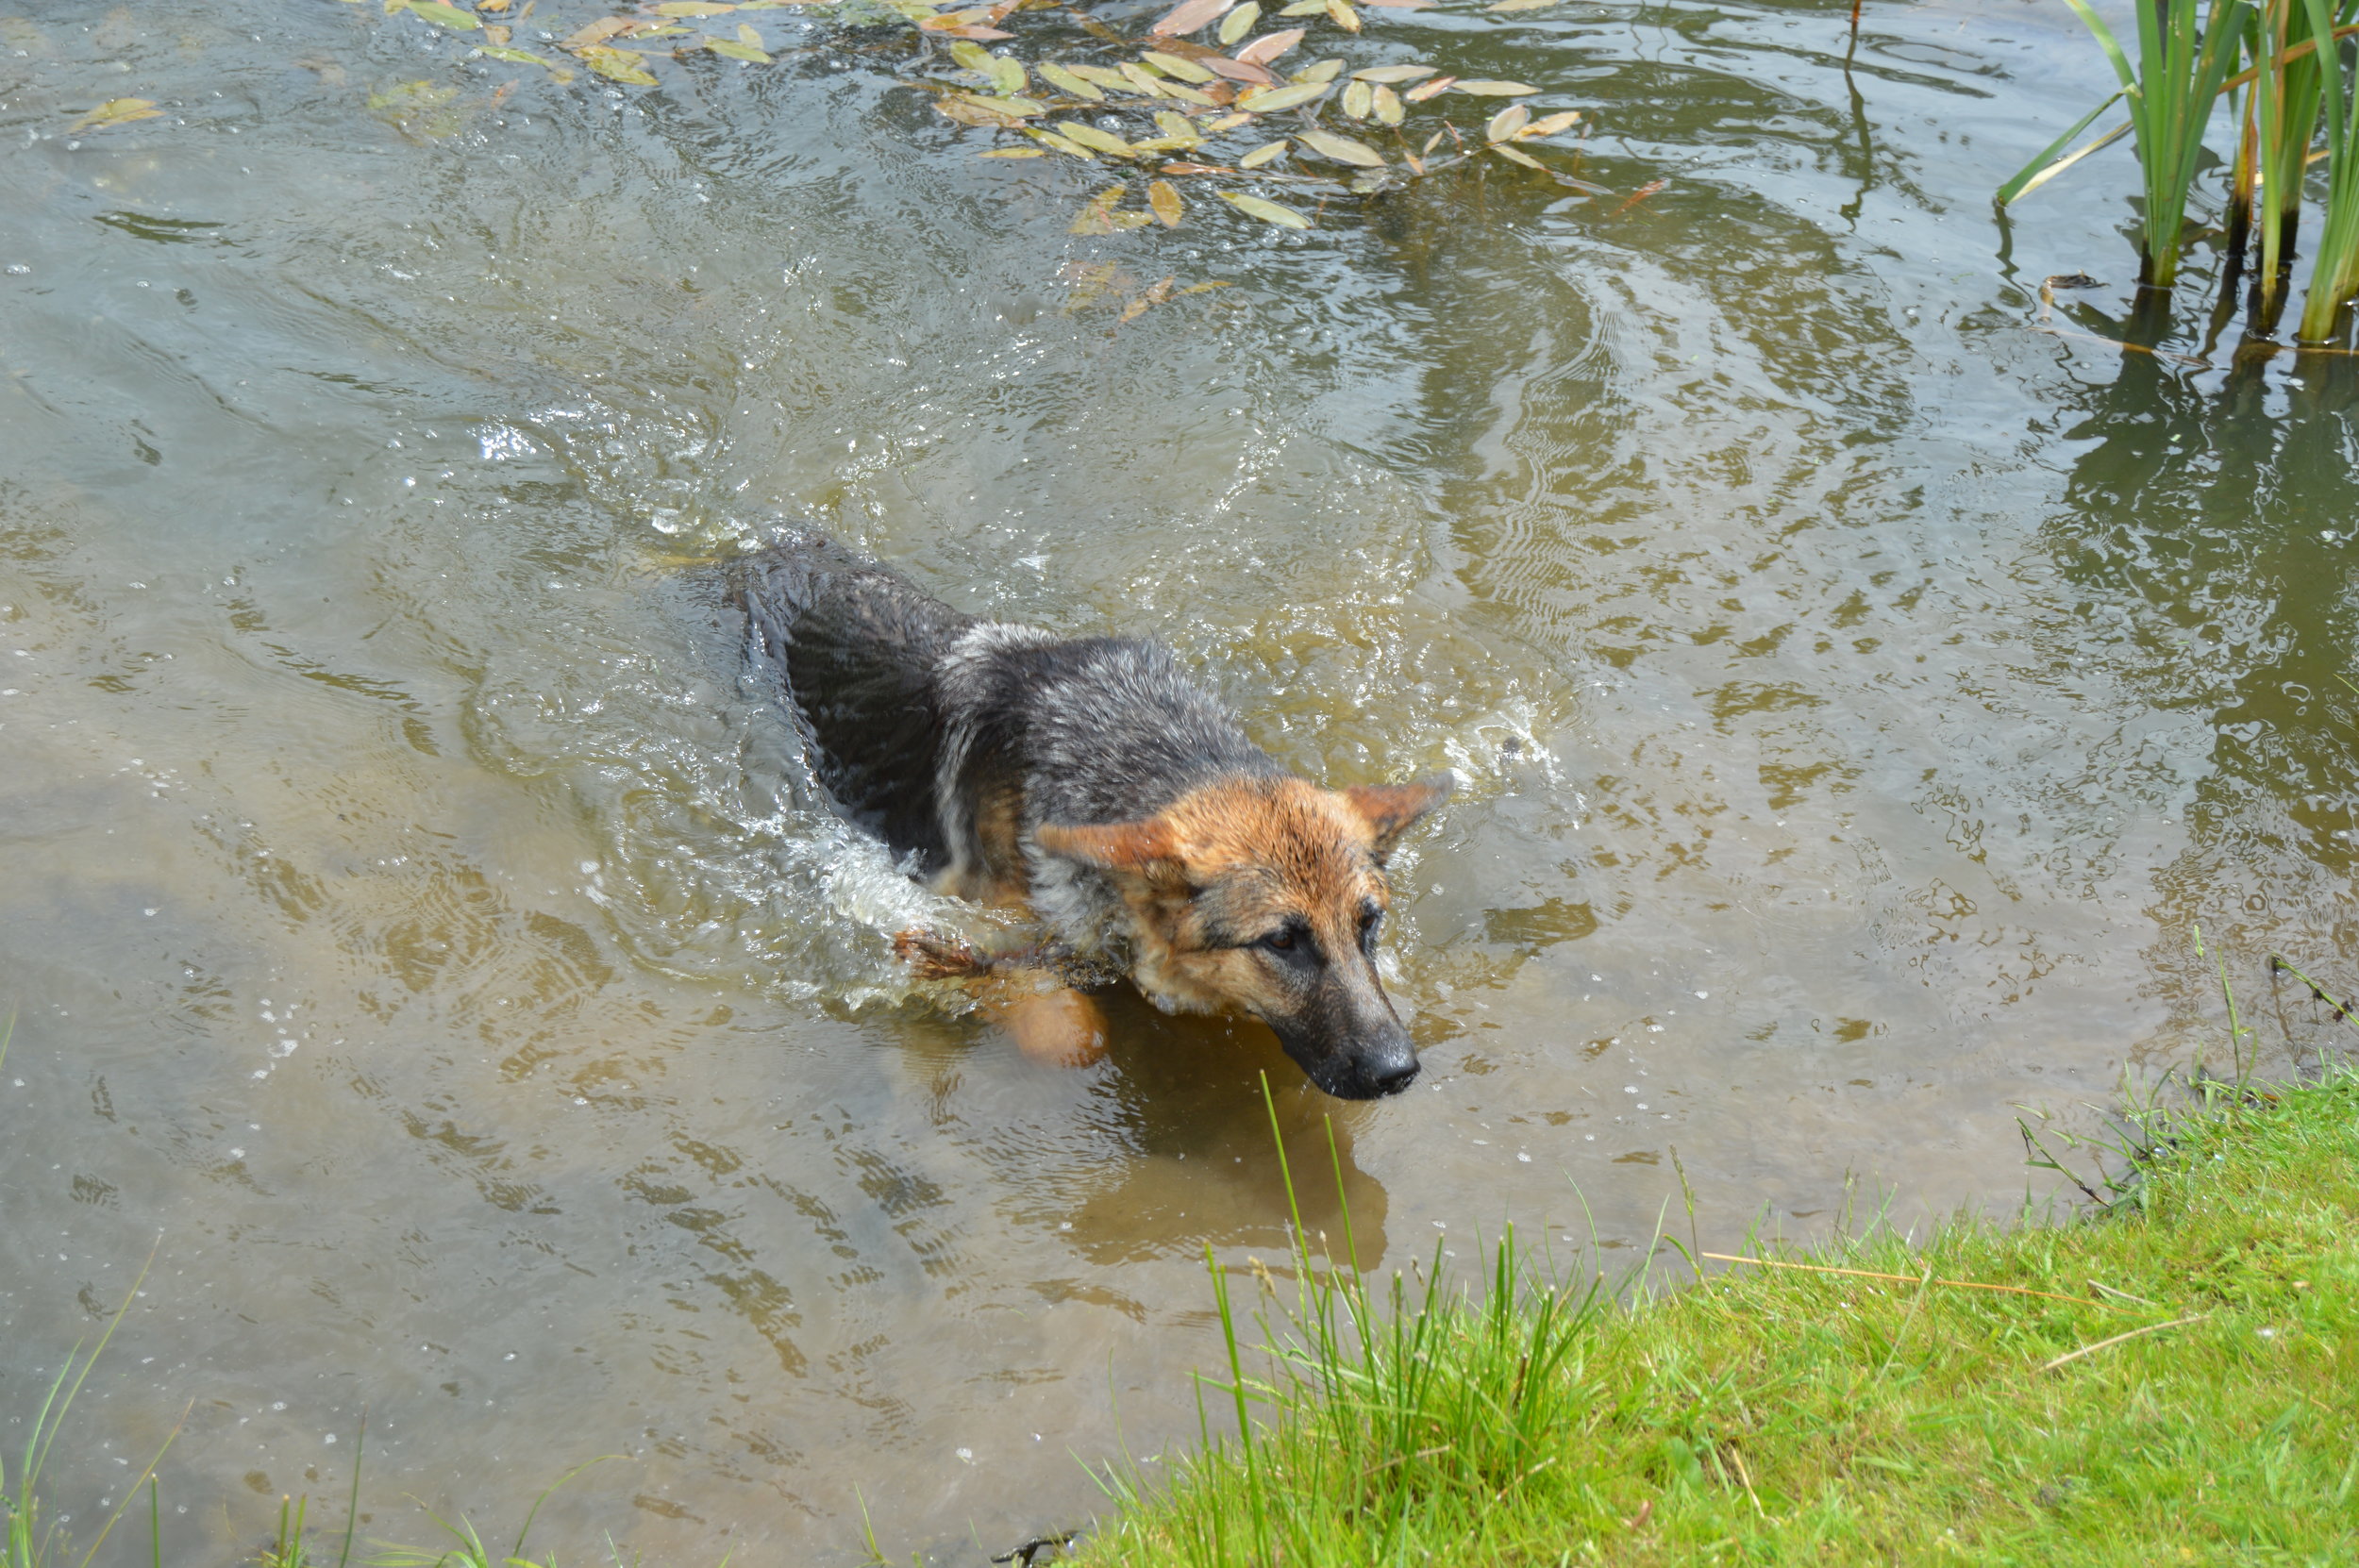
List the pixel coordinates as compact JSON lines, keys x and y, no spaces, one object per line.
{"x":1858,"y":694}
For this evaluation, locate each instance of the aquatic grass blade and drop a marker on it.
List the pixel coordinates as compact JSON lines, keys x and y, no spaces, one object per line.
{"x":2335,"y":276}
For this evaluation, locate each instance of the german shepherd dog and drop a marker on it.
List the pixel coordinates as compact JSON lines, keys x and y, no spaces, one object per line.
{"x":1090,"y":782}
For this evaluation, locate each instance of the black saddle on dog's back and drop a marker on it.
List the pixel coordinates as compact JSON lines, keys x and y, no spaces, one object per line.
{"x":859,"y":646}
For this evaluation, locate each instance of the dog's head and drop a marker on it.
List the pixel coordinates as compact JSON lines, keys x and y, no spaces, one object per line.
{"x":1267,"y":894}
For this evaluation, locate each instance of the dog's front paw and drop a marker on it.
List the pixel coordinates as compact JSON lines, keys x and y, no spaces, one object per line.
{"x":937,"y":958}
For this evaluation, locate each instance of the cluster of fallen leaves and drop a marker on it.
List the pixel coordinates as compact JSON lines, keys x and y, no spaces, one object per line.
{"x":1204,"y":97}
{"x":1163,"y":104}
{"x":1201,"y":76}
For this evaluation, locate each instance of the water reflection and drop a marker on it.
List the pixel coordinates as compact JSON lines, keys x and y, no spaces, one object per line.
{"x":2208,"y":522}
{"x":416,"y":916}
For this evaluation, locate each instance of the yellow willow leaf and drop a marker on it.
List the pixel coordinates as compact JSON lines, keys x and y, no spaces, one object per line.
{"x":116,"y":111}
{"x":1239,"y":22}
{"x":1071,"y":149}
{"x":1164,"y":203}
{"x":1387,"y":104}
{"x":1057,"y":75}
{"x":1172,"y":65}
{"x":1513,"y":156}
{"x":1506,"y":122}
{"x":1270,"y":100}
{"x":1268,"y":211}
{"x":1495,"y":90}
{"x":1392,"y":73}
{"x":446,"y":16}
{"x":1259,"y":155}
{"x":1096,"y":141}
{"x":620,"y":65}
{"x":1343,"y":149}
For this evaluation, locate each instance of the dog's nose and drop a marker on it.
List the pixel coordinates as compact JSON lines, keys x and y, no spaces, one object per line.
{"x":1391,"y":1078}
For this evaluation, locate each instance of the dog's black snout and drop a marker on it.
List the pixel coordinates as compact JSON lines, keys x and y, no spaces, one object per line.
{"x":1391,"y":1078}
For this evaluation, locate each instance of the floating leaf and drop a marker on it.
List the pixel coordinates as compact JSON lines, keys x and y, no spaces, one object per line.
{"x":1259,"y":155}
{"x":446,"y":16}
{"x":1178,"y":127}
{"x":621,"y":65}
{"x":1343,"y":149}
{"x":1102,"y":77}
{"x":1007,"y":75}
{"x":1013,"y":152}
{"x":1321,"y":71}
{"x":1202,"y":96}
{"x":600,"y":30}
{"x":1306,"y":7}
{"x":1392,"y":73}
{"x":1226,"y":123}
{"x":1057,"y":75}
{"x":1269,"y":46}
{"x":1340,"y":13}
{"x":1387,"y":104}
{"x":1141,"y":81}
{"x":1358,"y":98}
{"x":1237,"y":69}
{"x":1550,"y":125}
{"x":973,"y":56}
{"x":1495,"y":90}
{"x":1164,"y":203}
{"x":117,"y":111}
{"x":1197,"y":168}
{"x":525,"y":57}
{"x":1172,"y":65}
{"x":1423,"y":91}
{"x":691,"y":7}
{"x":1096,"y":141}
{"x":1506,"y":122}
{"x":1190,"y":15}
{"x":969,"y":108}
{"x":735,"y":50}
{"x":1239,"y":22}
{"x":1270,"y":100}
{"x":1071,"y":149}
{"x":1097,"y":214}
{"x":1514,"y":156}
{"x":1399,"y":4}
{"x":1268,"y":211}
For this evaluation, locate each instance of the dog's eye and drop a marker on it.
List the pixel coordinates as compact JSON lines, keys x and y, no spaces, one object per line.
{"x":1279,"y":941}
{"x":1371,"y":919}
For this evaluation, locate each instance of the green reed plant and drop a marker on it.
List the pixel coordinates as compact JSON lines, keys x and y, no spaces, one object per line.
{"x":2285,"y":97}
{"x":2182,"y":64}
{"x":2335,"y":276}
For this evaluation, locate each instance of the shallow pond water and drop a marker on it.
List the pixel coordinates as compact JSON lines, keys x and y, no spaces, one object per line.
{"x":423,"y":942}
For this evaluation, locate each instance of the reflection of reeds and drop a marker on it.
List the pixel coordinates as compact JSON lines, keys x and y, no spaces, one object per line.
{"x":2185,"y":56}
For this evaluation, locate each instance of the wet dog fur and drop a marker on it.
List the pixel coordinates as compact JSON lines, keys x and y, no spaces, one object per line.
{"x":1089,"y":781}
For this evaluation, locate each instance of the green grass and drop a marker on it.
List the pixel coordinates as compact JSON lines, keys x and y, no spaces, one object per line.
{"x":2175,"y":1379}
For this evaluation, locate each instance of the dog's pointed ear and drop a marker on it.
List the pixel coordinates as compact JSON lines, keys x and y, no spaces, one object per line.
{"x":1142,"y":848}
{"x":1390,"y":809}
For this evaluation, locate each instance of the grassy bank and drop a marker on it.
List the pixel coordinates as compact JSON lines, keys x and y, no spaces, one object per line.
{"x":2173,"y":1379}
